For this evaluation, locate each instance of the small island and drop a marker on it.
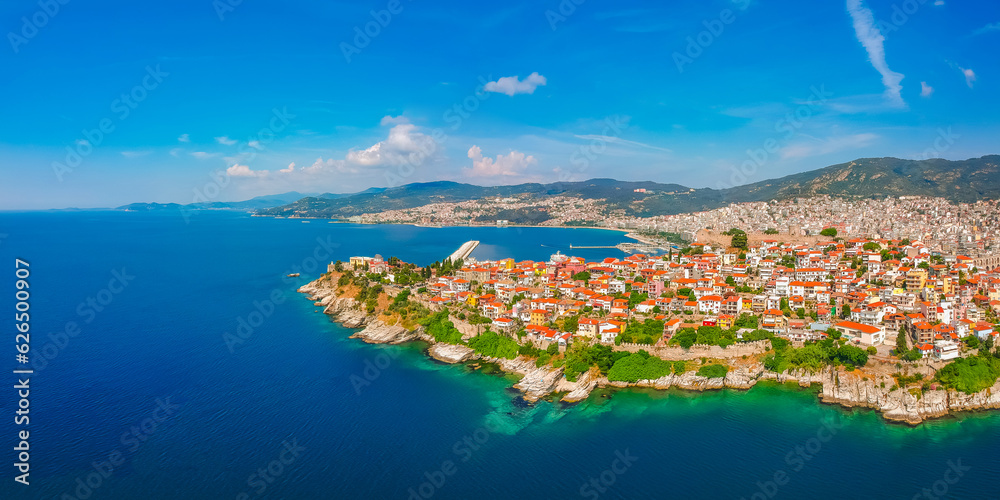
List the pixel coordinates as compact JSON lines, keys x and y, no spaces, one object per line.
{"x":874,"y":323}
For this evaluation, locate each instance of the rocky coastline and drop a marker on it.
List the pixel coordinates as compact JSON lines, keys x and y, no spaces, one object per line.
{"x":847,"y":389}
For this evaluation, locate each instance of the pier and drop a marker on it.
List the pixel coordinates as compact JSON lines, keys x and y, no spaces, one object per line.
{"x":464,"y":251}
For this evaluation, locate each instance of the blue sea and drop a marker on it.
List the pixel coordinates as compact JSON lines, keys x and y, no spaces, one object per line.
{"x":151,"y":397}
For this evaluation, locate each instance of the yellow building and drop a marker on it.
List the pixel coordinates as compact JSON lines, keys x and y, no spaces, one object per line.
{"x":915,"y":279}
{"x":539,"y":316}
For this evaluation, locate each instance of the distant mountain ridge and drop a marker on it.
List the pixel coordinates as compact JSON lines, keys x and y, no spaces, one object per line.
{"x":258,"y":202}
{"x":958,"y":181}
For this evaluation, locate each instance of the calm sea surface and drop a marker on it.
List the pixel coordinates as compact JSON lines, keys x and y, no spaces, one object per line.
{"x":149,"y":401}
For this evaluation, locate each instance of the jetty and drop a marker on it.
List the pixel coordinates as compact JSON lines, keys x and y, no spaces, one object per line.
{"x":464,"y":251}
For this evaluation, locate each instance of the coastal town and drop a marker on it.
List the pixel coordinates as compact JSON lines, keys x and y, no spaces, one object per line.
{"x":868,"y":291}
{"x":942,"y":226}
{"x":915,"y":327}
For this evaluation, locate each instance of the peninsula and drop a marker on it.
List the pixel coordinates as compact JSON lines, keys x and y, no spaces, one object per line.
{"x":891,"y":324}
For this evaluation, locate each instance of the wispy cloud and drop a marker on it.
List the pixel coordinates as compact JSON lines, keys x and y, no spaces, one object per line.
{"x":873,"y":42}
{"x":816,"y":146}
{"x":510,"y":85}
{"x":134,"y":154}
{"x":184,"y":138}
{"x":986,"y":29}
{"x":226,"y":141}
{"x":619,"y":140}
{"x":926,"y":90}
{"x":970,"y":76}
{"x":201,"y":155}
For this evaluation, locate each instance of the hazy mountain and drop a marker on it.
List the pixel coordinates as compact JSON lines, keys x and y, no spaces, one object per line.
{"x":959,"y":181}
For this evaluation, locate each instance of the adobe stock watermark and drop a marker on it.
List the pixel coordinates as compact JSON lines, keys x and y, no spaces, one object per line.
{"x":952,"y":474}
{"x":714,"y":28}
{"x":788,"y":126}
{"x":564,"y":10}
{"x":219,"y":180}
{"x":363,"y":35}
{"x":463,"y":449}
{"x":261,"y":310}
{"x":88,"y":309}
{"x":900,"y":16}
{"x":594,"y":147}
{"x":265,"y":476}
{"x":595,"y":487}
{"x":131,"y":440}
{"x":943,"y":142}
{"x":122,"y":107}
{"x":31,"y":25}
{"x":223,"y":7}
{"x":373,"y":369}
{"x":797,"y":458}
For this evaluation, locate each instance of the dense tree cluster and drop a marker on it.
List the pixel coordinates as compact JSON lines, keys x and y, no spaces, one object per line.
{"x":494,"y":345}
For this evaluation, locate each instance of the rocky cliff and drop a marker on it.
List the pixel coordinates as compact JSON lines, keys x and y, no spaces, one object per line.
{"x":849,"y":389}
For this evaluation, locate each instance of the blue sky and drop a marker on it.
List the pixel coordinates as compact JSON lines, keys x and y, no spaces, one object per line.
{"x":204,"y":100}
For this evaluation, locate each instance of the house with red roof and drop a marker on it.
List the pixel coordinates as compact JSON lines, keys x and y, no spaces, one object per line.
{"x":865,"y":334}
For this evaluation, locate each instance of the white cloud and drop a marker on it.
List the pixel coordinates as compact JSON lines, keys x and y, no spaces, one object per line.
{"x":392,"y":120}
{"x":226,"y":141}
{"x":245,"y":171}
{"x":818,"y":147}
{"x":986,"y":29}
{"x":514,"y":163}
{"x":255,"y":145}
{"x":510,"y":85}
{"x":184,"y":138}
{"x":404,"y":146}
{"x":176,"y":152}
{"x":939,"y":2}
{"x":618,"y":140}
{"x":926,"y":90}
{"x":970,"y":76}
{"x":321,"y":166}
{"x":873,"y":41}
{"x":82,"y":142}
{"x":201,"y":155}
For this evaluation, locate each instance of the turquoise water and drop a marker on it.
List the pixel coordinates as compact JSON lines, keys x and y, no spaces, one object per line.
{"x":290,"y":390}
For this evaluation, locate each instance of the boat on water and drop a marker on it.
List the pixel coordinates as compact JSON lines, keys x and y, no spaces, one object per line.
{"x":293,"y":275}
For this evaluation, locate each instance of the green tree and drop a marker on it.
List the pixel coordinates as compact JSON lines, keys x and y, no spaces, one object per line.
{"x":571,"y":323}
{"x":829,"y":232}
{"x":970,"y":375}
{"x":685,"y":337}
{"x":739,"y":240}
{"x":901,"y":345}
{"x":713,"y":371}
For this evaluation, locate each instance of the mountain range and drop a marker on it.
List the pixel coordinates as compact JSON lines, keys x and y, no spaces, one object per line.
{"x":958,"y":181}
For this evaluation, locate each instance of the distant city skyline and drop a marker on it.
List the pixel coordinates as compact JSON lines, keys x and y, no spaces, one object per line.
{"x":108,"y":103}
